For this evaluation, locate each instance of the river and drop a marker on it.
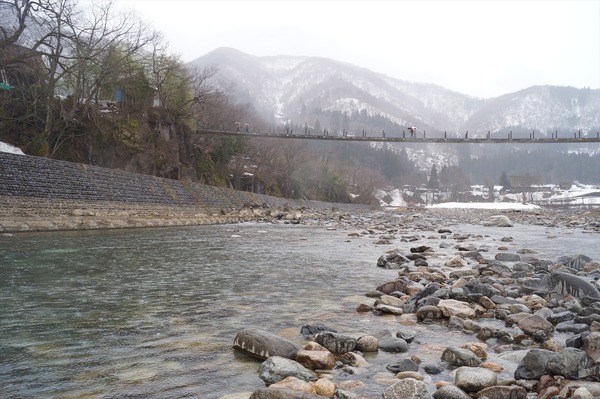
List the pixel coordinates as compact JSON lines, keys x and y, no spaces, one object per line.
{"x":152,"y":313}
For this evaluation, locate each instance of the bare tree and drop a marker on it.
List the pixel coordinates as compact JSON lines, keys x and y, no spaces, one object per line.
{"x":14,"y":15}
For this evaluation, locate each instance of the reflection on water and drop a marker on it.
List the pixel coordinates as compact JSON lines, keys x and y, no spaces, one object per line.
{"x":152,"y":313}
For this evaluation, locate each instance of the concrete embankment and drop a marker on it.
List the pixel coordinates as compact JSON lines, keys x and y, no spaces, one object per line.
{"x":38,"y":194}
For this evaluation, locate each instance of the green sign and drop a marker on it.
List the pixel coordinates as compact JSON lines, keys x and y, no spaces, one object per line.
{"x":6,"y":86}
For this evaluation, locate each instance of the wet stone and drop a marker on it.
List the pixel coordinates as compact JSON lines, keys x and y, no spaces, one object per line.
{"x":403,"y":365}
{"x":336,"y":343}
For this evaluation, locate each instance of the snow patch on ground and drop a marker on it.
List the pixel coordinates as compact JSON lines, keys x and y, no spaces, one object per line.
{"x":484,"y":205}
{"x":479,"y":197}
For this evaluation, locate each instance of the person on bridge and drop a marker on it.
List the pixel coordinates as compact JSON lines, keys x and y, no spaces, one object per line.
{"x":247,"y":126}
{"x":413,"y":131}
{"x":237,"y":127}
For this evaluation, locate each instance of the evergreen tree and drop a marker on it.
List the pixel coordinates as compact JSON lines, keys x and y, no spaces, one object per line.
{"x":434,"y":182}
{"x":317,"y":128}
{"x":504,"y":182}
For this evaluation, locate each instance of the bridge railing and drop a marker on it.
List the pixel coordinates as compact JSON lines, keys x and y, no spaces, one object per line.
{"x":396,"y":135}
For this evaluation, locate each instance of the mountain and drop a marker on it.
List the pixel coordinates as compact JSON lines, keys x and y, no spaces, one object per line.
{"x":302,"y":90}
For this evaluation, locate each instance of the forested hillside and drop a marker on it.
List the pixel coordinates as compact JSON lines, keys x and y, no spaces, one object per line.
{"x":83,"y":83}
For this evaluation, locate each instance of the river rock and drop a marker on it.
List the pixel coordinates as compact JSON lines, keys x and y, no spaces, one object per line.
{"x":335,"y":342}
{"x":389,"y":301}
{"x":279,"y":393}
{"x":452,"y":307}
{"x":456,"y":261}
{"x":276,"y":368}
{"x":353,"y":359}
{"x":421,"y":249}
{"x":294,"y":383}
{"x":364,"y":308}
{"x":591,"y":266}
{"x":313,"y":346}
{"x":367,"y":343}
{"x":533,"y":364}
{"x":313,"y":329}
{"x":473,"y":379}
{"x":385,"y":309}
{"x":458,"y":357}
{"x":432,"y":369}
{"x":498,"y":221}
{"x":478,"y":348}
{"x":571,"y":363}
{"x":408,"y":388}
{"x":591,"y":345}
{"x":263,"y":344}
{"x":450,"y":392}
{"x":325,"y":387}
{"x":503,"y":392}
{"x":392,"y":261}
{"x":403,"y":365}
{"x":534,"y":323}
{"x":393,"y":286}
{"x":429,"y":312}
{"x":408,"y":336}
{"x":393,"y":344}
{"x":409,"y":374}
{"x":316,"y":360}
{"x":569,"y":326}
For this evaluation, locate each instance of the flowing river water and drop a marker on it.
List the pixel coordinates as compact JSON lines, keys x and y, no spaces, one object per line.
{"x":152,"y":313}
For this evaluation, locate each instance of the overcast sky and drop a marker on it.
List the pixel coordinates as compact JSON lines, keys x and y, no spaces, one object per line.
{"x":482,"y":48}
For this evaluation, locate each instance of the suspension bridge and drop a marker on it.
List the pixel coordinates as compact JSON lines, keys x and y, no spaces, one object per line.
{"x":521,"y":137}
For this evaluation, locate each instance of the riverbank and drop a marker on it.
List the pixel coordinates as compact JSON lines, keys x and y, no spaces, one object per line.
{"x":41,"y":194}
{"x":528,"y":324}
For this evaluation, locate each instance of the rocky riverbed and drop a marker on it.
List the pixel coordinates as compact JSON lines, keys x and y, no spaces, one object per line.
{"x":518,"y":325}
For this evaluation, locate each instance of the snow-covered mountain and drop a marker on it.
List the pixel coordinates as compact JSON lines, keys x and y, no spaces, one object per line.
{"x":344,"y":96}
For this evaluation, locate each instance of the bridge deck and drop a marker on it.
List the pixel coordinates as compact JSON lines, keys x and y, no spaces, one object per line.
{"x":575,"y":138}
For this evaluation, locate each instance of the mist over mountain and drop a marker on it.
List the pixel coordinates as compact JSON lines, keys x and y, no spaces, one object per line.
{"x":302,"y":90}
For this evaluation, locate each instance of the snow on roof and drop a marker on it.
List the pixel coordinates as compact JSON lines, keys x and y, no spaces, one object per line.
{"x":9,"y":148}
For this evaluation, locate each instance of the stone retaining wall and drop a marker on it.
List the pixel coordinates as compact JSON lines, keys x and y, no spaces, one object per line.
{"x":46,"y":194}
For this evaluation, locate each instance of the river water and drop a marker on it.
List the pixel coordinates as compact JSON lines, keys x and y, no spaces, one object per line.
{"x":152,"y":313}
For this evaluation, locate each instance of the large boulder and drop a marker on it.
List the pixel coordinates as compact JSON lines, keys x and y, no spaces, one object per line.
{"x":570,"y":363}
{"x":533,"y":365}
{"x":263,"y":344}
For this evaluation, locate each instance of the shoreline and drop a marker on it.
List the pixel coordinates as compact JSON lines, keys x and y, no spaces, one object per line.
{"x":20,"y":214}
